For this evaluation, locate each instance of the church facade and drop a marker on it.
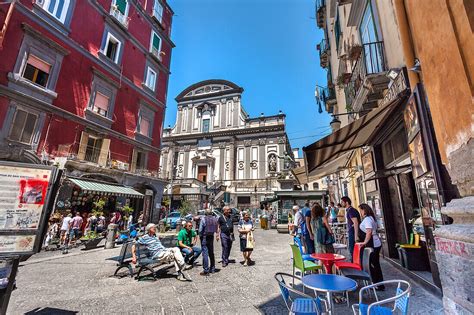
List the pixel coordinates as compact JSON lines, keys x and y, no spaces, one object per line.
{"x":216,"y":152}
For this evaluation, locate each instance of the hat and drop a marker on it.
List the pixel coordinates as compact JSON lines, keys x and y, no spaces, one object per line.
{"x":149,"y":226}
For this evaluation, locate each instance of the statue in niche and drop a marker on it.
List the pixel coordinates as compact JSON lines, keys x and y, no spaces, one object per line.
{"x":288,"y":161}
{"x":272,"y":163}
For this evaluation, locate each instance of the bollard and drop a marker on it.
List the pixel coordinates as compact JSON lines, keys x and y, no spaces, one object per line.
{"x":110,"y":240}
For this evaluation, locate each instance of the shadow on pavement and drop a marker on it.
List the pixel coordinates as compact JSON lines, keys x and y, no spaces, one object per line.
{"x":50,"y":311}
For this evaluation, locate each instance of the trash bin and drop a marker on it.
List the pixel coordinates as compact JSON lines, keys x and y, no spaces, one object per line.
{"x":264,"y":222}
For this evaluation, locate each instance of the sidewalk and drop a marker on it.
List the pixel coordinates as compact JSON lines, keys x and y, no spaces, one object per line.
{"x":82,"y":282}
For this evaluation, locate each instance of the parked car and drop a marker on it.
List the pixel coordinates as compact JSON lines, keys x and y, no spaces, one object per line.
{"x":172,"y":219}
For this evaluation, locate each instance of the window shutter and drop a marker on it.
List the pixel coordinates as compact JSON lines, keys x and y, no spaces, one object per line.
{"x":133,"y":165}
{"x":38,"y":63}
{"x":121,"y":5}
{"x":145,"y":127}
{"x":156,"y":42}
{"x":81,"y":152}
{"x":104,"y":152}
{"x":101,"y":101}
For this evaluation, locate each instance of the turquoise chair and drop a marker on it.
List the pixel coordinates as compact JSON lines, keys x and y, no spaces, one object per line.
{"x":297,"y":241}
{"x":400,"y":300}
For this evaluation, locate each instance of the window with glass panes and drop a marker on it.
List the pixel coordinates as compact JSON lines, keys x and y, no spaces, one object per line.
{"x":155,"y":45}
{"x":158,"y":10}
{"x":94,"y":145}
{"x":150,"y":78}
{"x":37,"y":70}
{"x":141,"y":160}
{"x":205,"y":125}
{"x":121,"y":5}
{"x":112,"y":47}
{"x":57,"y":8}
{"x":23,"y":126}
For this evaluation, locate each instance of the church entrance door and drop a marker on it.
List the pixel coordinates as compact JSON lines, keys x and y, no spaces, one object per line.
{"x":202,"y":173}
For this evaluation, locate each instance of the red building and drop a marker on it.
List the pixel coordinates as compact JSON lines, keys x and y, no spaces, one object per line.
{"x":83,"y":85}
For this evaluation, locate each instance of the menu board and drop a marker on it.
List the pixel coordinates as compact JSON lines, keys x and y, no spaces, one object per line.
{"x":24,"y":192}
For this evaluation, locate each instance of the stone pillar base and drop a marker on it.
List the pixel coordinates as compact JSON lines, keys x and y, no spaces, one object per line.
{"x":455,"y":256}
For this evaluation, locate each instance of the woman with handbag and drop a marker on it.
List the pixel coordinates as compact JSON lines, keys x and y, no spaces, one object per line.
{"x":247,"y":241}
{"x":321,"y":231}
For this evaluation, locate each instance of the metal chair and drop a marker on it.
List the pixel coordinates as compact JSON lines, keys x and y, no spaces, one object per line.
{"x":356,"y":258}
{"x":300,"y":264}
{"x":303,"y":303}
{"x":400,"y":300}
{"x":297,"y":241}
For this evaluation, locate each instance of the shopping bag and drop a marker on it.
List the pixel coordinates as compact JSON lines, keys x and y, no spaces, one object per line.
{"x":250,"y":241}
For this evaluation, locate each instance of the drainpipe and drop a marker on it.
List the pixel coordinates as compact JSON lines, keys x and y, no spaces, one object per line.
{"x":6,"y":23}
{"x":407,"y":40}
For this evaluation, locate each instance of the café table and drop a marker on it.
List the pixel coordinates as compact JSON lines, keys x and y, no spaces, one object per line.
{"x":328,"y":260}
{"x":329,"y":284}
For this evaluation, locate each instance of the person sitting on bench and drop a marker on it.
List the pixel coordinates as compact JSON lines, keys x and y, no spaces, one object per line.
{"x":160,"y":253}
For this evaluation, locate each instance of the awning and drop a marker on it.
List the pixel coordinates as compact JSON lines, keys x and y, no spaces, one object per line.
{"x":354,"y":135}
{"x":102,"y":188}
{"x":331,"y":167}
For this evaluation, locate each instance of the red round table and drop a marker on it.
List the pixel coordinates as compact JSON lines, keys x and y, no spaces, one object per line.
{"x":328,"y":260}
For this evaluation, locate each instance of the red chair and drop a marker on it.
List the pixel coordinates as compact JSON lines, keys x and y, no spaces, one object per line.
{"x":356,"y":257}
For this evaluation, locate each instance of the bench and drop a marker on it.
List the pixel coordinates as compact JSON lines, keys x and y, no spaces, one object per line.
{"x":144,"y":262}
{"x":124,"y":260}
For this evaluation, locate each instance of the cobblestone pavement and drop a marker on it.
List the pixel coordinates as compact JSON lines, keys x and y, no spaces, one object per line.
{"x":82,"y":282}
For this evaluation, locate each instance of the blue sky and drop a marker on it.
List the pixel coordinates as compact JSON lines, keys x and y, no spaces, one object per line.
{"x":266,"y":46}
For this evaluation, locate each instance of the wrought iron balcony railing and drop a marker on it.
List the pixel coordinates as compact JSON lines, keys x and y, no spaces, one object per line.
{"x":320,"y":13}
{"x":371,"y":61}
{"x":323,"y":48}
{"x":119,"y":16}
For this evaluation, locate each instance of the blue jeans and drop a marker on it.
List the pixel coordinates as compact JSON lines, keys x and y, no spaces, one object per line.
{"x":309,"y":244}
{"x":191,"y":256}
{"x":207,"y":244}
{"x":351,"y":242}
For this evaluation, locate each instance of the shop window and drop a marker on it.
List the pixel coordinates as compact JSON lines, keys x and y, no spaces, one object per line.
{"x":37,"y":70}
{"x":56,"y":8}
{"x":93,"y":149}
{"x":150,"y":80}
{"x":158,"y":11}
{"x":100,"y":104}
{"x":155,"y":45}
{"x":23,"y":126}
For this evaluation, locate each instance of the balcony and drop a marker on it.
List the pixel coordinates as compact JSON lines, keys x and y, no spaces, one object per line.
{"x":321,"y":13}
{"x":119,"y":16}
{"x":328,"y":96}
{"x":324,"y":51}
{"x":368,"y":80}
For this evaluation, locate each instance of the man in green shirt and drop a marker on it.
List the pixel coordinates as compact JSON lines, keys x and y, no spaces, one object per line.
{"x":187,"y":239}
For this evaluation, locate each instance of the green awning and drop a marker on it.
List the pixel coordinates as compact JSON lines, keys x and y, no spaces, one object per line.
{"x":105,"y":189}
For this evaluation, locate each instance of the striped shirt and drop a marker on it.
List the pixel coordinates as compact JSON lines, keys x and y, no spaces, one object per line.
{"x":152,"y":243}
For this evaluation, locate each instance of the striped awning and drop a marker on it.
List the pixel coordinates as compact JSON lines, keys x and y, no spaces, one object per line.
{"x":354,"y":135}
{"x":105,"y":189}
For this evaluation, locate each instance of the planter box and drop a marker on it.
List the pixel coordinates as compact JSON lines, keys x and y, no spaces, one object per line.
{"x":91,"y":244}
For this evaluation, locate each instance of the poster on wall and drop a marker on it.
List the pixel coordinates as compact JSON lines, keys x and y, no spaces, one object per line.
{"x":368,"y":163}
{"x":410,"y":116}
{"x":24,"y":194}
{"x":417,"y":155}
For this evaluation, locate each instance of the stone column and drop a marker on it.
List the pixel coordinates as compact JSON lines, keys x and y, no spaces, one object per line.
{"x":232,"y":160}
{"x":455,"y":256}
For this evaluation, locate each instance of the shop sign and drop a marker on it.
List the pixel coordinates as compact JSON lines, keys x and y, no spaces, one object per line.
{"x":24,"y":196}
{"x":119,"y":165}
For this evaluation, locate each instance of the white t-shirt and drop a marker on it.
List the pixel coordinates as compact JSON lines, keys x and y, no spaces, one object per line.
{"x":66,"y":222}
{"x":369,"y":223}
{"x":298,"y":220}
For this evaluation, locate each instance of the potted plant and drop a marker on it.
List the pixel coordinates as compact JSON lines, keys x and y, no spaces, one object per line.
{"x":91,"y":240}
{"x":354,"y":52}
{"x":343,"y":79}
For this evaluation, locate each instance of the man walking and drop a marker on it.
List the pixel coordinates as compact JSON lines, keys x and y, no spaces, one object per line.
{"x":353,"y":222}
{"x":227,"y":234}
{"x":160,"y":253}
{"x":76,"y":224}
{"x":187,"y":239}
{"x":207,"y":228}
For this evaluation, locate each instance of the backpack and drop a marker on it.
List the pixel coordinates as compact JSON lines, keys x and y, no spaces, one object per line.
{"x":302,"y":226}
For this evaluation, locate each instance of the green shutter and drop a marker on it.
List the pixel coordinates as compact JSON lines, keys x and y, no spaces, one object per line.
{"x":156,"y":41}
{"x":121,"y":5}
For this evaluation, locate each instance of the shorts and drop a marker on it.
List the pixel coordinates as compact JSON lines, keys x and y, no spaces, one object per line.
{"x":243,"y":245}
{"x":76,"y":233}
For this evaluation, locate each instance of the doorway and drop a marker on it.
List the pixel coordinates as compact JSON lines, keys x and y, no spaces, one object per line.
{"x":202,"y":173}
